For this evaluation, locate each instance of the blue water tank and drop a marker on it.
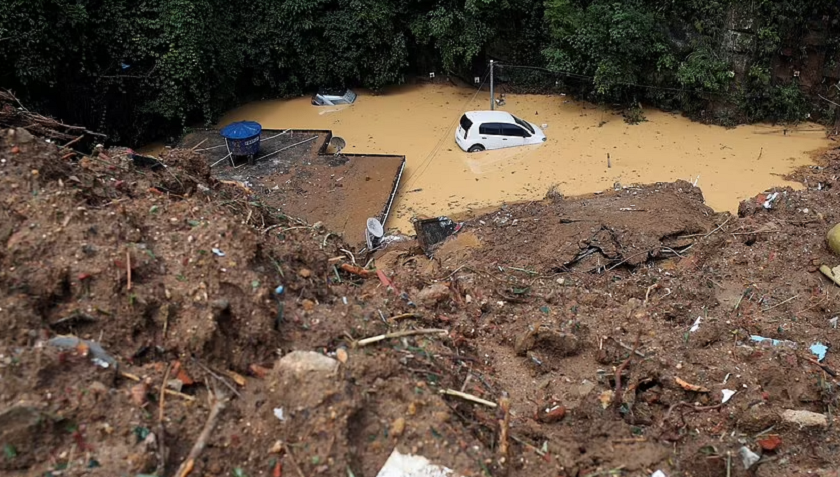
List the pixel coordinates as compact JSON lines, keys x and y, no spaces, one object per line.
{"x":243,"y":137}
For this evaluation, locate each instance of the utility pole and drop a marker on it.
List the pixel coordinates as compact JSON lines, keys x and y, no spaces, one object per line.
{"x":492,"y":93}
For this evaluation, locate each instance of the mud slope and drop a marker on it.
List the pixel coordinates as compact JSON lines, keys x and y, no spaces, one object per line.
{"x":176,"y":276}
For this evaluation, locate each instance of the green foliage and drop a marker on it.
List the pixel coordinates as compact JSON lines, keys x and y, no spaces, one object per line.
{"x":138,"y":68}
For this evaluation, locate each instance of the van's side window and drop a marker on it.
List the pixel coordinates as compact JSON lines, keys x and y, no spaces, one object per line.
{"x":490,"y":128}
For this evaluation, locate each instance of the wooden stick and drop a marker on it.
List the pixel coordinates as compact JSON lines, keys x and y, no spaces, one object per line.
{"x":355,"y":270}
{"x":468,"y":397}
{"x":504,"y":430}
{"x":405,"y":316}
{"x":171,"y":392}
{"x":219,"y":400}
{"x":294,"y":461}
{"x":196,"y":146}
{"x":399,"y":334}
{"x":128,"y":268}
{"x":782,"y":303}
{"x":74,"y":141}
{"x":161,"y":468}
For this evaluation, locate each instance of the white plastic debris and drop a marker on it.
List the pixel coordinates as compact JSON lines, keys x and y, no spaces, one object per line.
{"x":727,"y":395}
{"x":659,"y":473}
{"x":696,"y":325}
{"x":748,"y":457}
{"x":97,"y":355}
{"x":768,"y":204}
{"x":217,"y":252}
{"x":833,"y":322}
{"x":407,"y":465}
{"x":279,"y":414}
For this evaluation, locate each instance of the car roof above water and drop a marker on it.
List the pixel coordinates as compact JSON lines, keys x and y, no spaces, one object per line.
{"x":489,"y":116}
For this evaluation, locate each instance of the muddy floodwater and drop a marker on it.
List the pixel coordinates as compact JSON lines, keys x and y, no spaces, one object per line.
{"x":419,"y":122}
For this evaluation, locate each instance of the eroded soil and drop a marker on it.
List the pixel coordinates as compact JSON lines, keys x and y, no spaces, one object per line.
{"x":175,"y":275}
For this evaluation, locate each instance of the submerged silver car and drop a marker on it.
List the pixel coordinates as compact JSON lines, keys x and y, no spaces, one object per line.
{"x":327,"y":97}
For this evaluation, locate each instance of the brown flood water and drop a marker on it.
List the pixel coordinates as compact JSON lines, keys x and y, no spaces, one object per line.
{"x":419,"y":121}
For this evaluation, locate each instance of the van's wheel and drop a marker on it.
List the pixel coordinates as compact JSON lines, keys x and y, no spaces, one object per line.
{"x":476,"y":148}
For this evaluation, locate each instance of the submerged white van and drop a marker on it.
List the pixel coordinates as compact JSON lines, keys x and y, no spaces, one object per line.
{"x":485,"y":130}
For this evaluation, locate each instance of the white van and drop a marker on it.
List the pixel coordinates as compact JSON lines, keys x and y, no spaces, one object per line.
{"x":485,"y":130}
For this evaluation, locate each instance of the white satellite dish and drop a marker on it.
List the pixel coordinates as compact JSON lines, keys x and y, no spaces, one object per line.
{"x":374,"y":230}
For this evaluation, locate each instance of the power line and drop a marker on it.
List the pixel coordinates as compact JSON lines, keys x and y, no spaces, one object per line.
{"x":433,"y":153}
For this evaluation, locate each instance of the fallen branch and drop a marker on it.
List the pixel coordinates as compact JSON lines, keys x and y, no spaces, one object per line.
{"x":171,"y":392}
{"x":468,"y":397}
{"x":219,"y":400}
{"x":399,"y":334}
{"x":822,"y":366}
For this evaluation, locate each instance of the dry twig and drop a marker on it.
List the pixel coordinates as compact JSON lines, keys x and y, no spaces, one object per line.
{"x":218,"y":400}
{"x":468,"y":397}
{"x":399,"y":334}
{"x":161,"y":468}
{"x":619,"y":398}
{"x":171,"y":392}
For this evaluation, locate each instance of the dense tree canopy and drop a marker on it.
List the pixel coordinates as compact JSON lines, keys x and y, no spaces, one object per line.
{"x":140,"y":68}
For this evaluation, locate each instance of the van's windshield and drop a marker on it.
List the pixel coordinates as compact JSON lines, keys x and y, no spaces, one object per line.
{"x":524,"y":124}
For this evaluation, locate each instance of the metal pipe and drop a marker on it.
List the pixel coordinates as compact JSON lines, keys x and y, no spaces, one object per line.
{"x":492,"y":92}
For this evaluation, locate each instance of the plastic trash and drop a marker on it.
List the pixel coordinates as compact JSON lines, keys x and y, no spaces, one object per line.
{"x":727,"y":395}
{"x":659,"y":473}
{"x":774,"y":342}
{"x":833,"y":322}
{"x":217,"y":252}
{"x":279,"y":290}
{"x":696,"y":325}
{"x":407,"y":465}
{"x":97,"y":355}
{"x":279,"y":414}
{"x":768,"y":203}
{"x":819,"y":350}
{"x":748,"y":457}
